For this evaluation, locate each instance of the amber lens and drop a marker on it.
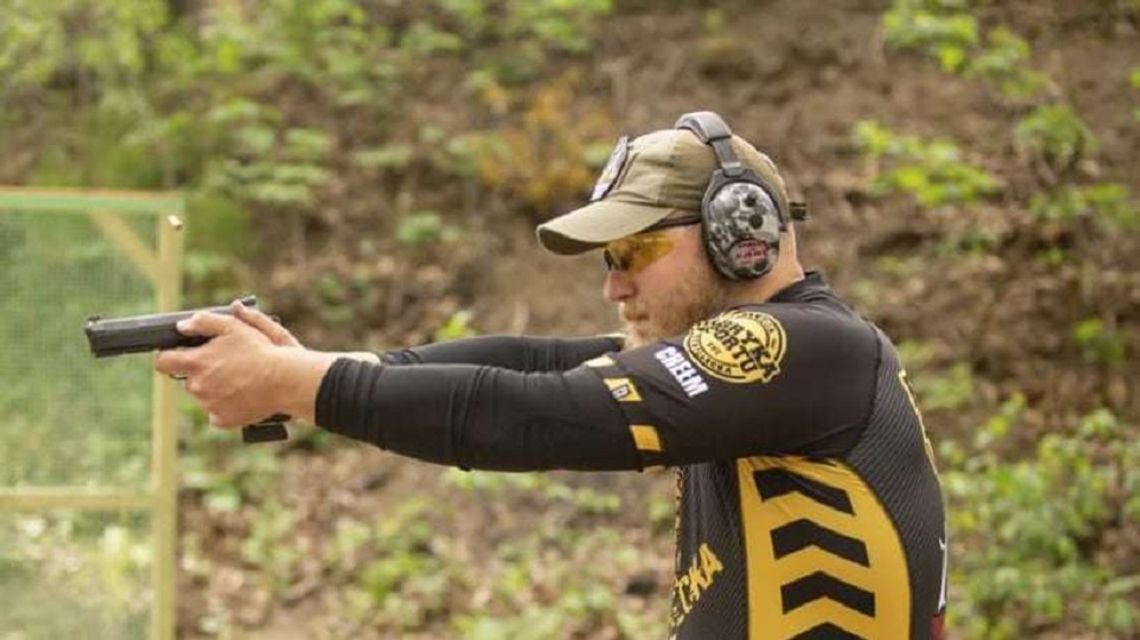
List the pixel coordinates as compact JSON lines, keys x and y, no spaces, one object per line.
{"x":636,"y":252}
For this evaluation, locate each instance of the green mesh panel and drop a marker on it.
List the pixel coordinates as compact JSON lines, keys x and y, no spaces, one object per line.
{"x":66,"y":418}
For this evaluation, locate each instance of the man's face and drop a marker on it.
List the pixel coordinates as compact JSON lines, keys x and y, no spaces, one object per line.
{"x":667,"y":286}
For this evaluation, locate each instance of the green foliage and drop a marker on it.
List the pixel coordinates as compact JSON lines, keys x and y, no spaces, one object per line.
{"x":938,"y":27}
{"x":268,"y":546}
{"x":93,"y":567}
{"x":423,"y":227}
{"x":457,"y":326}
{"x":580,"y":598}
{"x":933,"y":171}
{"x":403,"y":573}
{"x":512,"y":40}
{"x":38,"y":44}
{"x":584,"y":499}
{"x":397,"y":580}
{"x":263,"y":163}
{"x":228,"y":477}
{"x":565,"y":24}
{"x":936,"y":387}
{"x":952,"y":389}
{"x":1056,"y":134}
{"x":1100,"y":344}
{"x":1110,"y":204}
{"x":1022,"y":530}
{"x":392,"y":156}
{"x":941,"y":28}
{"x":562,"y":22}
{"x":1004,"y":62}
{"x":949,"y":32}
{"x":147,"y":98}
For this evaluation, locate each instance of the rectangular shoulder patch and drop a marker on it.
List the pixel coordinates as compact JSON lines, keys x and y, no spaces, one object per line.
{"x":645,"y":437}
{"x":623,"y":389}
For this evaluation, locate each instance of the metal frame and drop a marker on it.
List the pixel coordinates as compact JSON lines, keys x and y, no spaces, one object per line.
{"x":164,"y":270}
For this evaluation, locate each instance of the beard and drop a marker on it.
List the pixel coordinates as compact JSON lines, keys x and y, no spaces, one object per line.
{"x":699,"y":294}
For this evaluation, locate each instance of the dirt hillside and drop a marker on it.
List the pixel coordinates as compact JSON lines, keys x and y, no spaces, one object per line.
{"x":795,"y":79}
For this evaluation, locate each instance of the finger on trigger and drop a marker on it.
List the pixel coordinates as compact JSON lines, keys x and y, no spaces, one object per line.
{"x":174,"y":363}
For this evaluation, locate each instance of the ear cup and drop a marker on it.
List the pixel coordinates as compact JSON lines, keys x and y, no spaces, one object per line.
{"x":741,"y":228}
{"x":741,"y":219}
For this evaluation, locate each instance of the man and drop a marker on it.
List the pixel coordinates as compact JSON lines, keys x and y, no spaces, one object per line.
{"x":808,"y":502}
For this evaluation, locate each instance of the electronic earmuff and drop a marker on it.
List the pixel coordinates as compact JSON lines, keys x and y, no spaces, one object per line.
{"x":741,"y":216}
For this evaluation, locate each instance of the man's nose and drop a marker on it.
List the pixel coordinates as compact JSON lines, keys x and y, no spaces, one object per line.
{"x":618,"y":286}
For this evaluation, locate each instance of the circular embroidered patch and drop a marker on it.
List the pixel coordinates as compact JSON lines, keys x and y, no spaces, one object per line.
{"x":612,"y":169}
{"x":738,"y":346}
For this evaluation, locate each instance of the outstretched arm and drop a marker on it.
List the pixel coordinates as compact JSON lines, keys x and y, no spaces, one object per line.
{"x":460,"y":414}
{"x":518,"y":353}
{"x":744,"y":383}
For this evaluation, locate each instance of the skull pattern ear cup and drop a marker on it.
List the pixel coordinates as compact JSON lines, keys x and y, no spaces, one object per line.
{"x":741,"y":226}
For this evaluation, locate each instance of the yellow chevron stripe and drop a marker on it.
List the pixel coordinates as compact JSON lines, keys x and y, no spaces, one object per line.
{"x":887,"y":576}
{"x":812,"y":559}
{"x":828,"y":610}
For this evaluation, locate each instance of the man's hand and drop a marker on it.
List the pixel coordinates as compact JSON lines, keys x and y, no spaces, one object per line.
{"x":235,"y":376}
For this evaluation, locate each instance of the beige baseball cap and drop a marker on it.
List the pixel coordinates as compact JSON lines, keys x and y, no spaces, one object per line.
{"x":646,"y":180}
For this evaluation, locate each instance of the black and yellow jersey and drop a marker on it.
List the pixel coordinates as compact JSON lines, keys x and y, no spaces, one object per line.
{"x":808,"y":504}
{"x":818,"y":512}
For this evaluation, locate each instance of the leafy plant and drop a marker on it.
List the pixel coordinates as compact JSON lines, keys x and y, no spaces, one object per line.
{"x":1056,"y":134}
{"x":1108,"y":203}
{"x":933,"y":171}
{"x":1099,"y":343}
{"x":1021,"y":529}
{"x":424,"y":227}
{"x":585,"y":499}
{"x":1005,"y":62}
{"x":942,"y":28}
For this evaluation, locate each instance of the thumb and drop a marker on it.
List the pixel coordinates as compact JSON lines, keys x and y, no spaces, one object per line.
{"x":205,"y":324}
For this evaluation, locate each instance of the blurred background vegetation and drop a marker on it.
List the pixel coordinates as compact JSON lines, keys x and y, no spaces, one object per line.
{"x":373,"y":170}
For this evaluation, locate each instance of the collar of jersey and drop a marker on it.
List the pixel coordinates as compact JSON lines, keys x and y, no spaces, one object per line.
{"x":812,"y":283}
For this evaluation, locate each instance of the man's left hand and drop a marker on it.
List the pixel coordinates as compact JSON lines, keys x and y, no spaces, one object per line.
{"x":233,"y":376}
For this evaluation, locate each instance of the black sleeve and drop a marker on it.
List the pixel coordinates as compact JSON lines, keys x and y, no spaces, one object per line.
{"x":519,"y":353}
{"x":477,"y":416}
{"x":783,"y":378}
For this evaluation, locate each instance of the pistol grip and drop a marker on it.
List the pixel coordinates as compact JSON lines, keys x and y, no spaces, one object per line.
{"x":271,"y":429}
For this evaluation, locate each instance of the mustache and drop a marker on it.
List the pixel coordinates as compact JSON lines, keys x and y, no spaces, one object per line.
{"x":629,"y":312}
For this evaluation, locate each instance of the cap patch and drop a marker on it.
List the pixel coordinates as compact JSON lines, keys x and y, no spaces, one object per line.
{"x":738,"y":346}
{"x":612,"y":169}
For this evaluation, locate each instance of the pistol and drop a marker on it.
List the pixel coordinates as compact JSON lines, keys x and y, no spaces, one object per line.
{"x":109,"y":337}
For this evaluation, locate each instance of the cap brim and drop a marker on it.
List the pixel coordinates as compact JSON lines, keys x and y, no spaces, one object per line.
{"x":597,"y":224}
